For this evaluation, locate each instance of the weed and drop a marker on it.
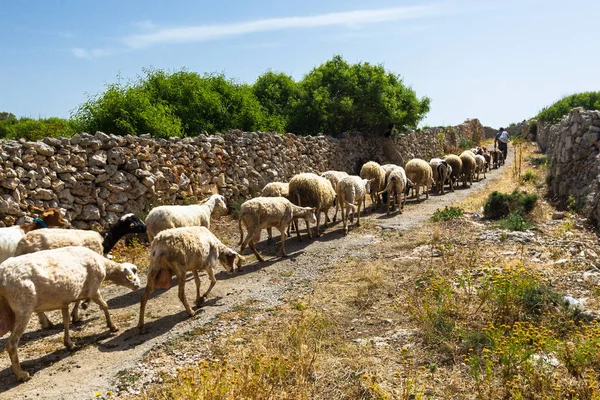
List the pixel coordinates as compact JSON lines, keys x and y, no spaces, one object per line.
{"x":499,"y":205}
{"x":234,"y":207}
{"x":514,"y":222}
{"x":447,"y":214}
{"x":529,"y":176}
{"x":465,"y":144}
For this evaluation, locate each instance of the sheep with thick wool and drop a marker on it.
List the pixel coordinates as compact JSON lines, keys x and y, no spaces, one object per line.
{"x":397,"y":182}
{"x":419,"y":172}
{"x":10,"y":236}
{"x":373,"y":170}
{"x":51,"y":280}
{"x":480,"y":165}
{"x":351,"y":192}
{"x":468,"y":167}
{"x":334,"y":177}
{"x":167,"y":217}
{"x":442,"y":172}
{"x":456,"y":163}
{"x":101,"y":243}
{"x":268,"y":212}
{"x":311,"y":190}
{"x":176,"y":251}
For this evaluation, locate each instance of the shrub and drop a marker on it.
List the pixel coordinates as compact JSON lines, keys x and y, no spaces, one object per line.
{"x":466,"y":144}
{"x":499,"y":205}
{"x":514,"y":222}
{"x":529,"y":176}
{"x":556,"y":111}
{"x":447,"y":214}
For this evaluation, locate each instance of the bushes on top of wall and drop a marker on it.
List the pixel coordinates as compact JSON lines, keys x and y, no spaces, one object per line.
{"x":556,"y":111}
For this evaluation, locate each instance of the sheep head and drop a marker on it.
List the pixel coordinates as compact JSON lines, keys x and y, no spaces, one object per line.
{"x":123,"y":274}
{"x":230,"y":259}
{"x":131,"y":224}
{"x":52,"y":217}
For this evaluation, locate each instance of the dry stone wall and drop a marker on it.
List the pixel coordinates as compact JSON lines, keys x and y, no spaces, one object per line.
{"x":573,"y":146}
{"x":97,"y":178}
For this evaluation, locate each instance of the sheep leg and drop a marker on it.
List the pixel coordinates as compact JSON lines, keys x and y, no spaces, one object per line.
{"x":319,"y":222}
{"x":345,"y":217}
{"x":75,"y":313}
{"x":149,"y":290}
{"x":21,"y":321}
{"x":308,"y":232}
{"x":213,"y":280}
{"x":358,"y":215}
{"x":256,"y":253}
{"x":283,"y":237}
{"x":337,"y":205}
{"x":427,"y":191}
{"x":197,"y":282}
{"x":104,"y":307}
{"x":269,"y":235}
{"x":66,"y":319}
{"x":181,"y":282}
{"x":44,"y":321}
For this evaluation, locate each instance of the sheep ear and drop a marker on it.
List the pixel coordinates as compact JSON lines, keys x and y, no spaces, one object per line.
{"x":314,"y":209}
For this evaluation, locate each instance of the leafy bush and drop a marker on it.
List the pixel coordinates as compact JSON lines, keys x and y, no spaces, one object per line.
{"x":34,"y":129}
{"x":447,"y":214}
{"x":499,"y":205}
{"x":465,"y":144}
{"x":514,"y":222}
{"x":555,"y":112}
{"x":529,"y":176}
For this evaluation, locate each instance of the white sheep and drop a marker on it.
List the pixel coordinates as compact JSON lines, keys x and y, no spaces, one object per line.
{"x":311,"y":190}
{"x":351,"y":191}
{"x":267,"y":212}
{"x":176,"y":251}
{"x":275,"y":189}
{"x":51,"y":280}
{"x":397,"y":182}
{"x":456,"y":163}
{"x":468,"y":167}
{"x":101,"y":243}
{"x":480,"y":165}
{"x":10,"y":237}
{"x":334,"y":177}
{"x":167,"y":217}
{"x":419,"y":172}
{"x":442,"y":172}
{"x":373,"y":170}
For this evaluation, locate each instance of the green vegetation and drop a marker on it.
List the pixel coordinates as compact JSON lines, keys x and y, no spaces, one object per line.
{"x":529,"y":176}
{"x":332,"y":98}
{"x":514,"y":222}
{"x":465,"y":144}
{"x":12,"y":127}
{"x":447,"y":214}
{"x":555,"y":112}
{"x":499,"y":205}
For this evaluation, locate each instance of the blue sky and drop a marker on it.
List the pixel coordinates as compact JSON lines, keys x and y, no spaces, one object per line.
{"x":499,"y":61}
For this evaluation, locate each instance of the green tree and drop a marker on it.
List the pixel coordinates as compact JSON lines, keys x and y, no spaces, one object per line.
{"x":276,"y":93}
{"x":556,"y":111}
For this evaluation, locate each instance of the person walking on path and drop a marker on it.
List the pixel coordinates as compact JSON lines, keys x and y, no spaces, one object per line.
{"x":501,"y":141}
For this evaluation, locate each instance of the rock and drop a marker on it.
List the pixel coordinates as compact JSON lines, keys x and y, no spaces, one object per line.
{"x":117,"y":156}
{"x":43,"y":149}
{"x":558,"y":215}
{"x":98,"y":159}
{"x":90,"y":213}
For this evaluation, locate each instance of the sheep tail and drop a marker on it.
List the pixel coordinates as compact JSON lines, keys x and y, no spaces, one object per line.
{"x":241,"y":231}
{"x":388,"y":187}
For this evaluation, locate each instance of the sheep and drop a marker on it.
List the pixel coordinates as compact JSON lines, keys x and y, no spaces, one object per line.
{"x":10,"y":236}
{"x":488,"y":160}
{"x":397,"y":182}
{"x":275,"y":189}
{"x":179,"y":250}
{"x":311,"y":190}
{"x":441,"y":174}
{"x":419,"y":172}
{"x":334,"y":177}
{"x":267,"y":212}
{"x":495,"y":155}
{"x":480,"y":165}
{"x":351,"y":191}
{"x":388,"y":168}
{"x":51,"y":280}
{"x":468,"y":167}
{"x":46,"y":239}
{"x":166,"y":217}
{"x":456,"y":163}
{"x":373,"y":170}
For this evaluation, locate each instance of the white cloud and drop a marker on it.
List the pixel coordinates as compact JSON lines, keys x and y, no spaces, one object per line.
{"x":89,"y":54}
{"x":204,"y":33}
{"x":145,"y":25}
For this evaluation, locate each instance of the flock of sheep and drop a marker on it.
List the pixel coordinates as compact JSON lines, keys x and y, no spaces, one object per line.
{"x":50,"y":268}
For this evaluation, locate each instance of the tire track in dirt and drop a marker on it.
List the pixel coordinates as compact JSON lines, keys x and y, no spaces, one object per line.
{"x":60,"y":374}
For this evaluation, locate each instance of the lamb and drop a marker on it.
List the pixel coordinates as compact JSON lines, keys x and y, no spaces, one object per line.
{"x":456,"y":163}
{"x":51,"y":280}
{"x":9,"y":237}
{"x":442,"y":172}
{"x":480,"y":165}
{"x":46,"y":239}
{"x":419,"y":172}
{"x":351,"y":191}
{"x":311,"y":190}
{"x":373,"y":170}
{"x":166,"y":217}
{"x":468,"y":167}
{"x":176,"y":251}
{"x":488,"y":160}
{"x":397,"y":182}
{"x":275,"y":189}
{"x":268,"y":212}
{"x":334,"y":177}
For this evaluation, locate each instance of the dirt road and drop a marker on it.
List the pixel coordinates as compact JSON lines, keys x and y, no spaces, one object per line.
{"x":99,"y":355}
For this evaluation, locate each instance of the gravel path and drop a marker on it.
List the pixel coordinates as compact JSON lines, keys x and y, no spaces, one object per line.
{"x":99,"y":355}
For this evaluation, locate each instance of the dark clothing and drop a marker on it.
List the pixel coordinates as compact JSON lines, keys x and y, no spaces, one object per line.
{"x":503,"y":147}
